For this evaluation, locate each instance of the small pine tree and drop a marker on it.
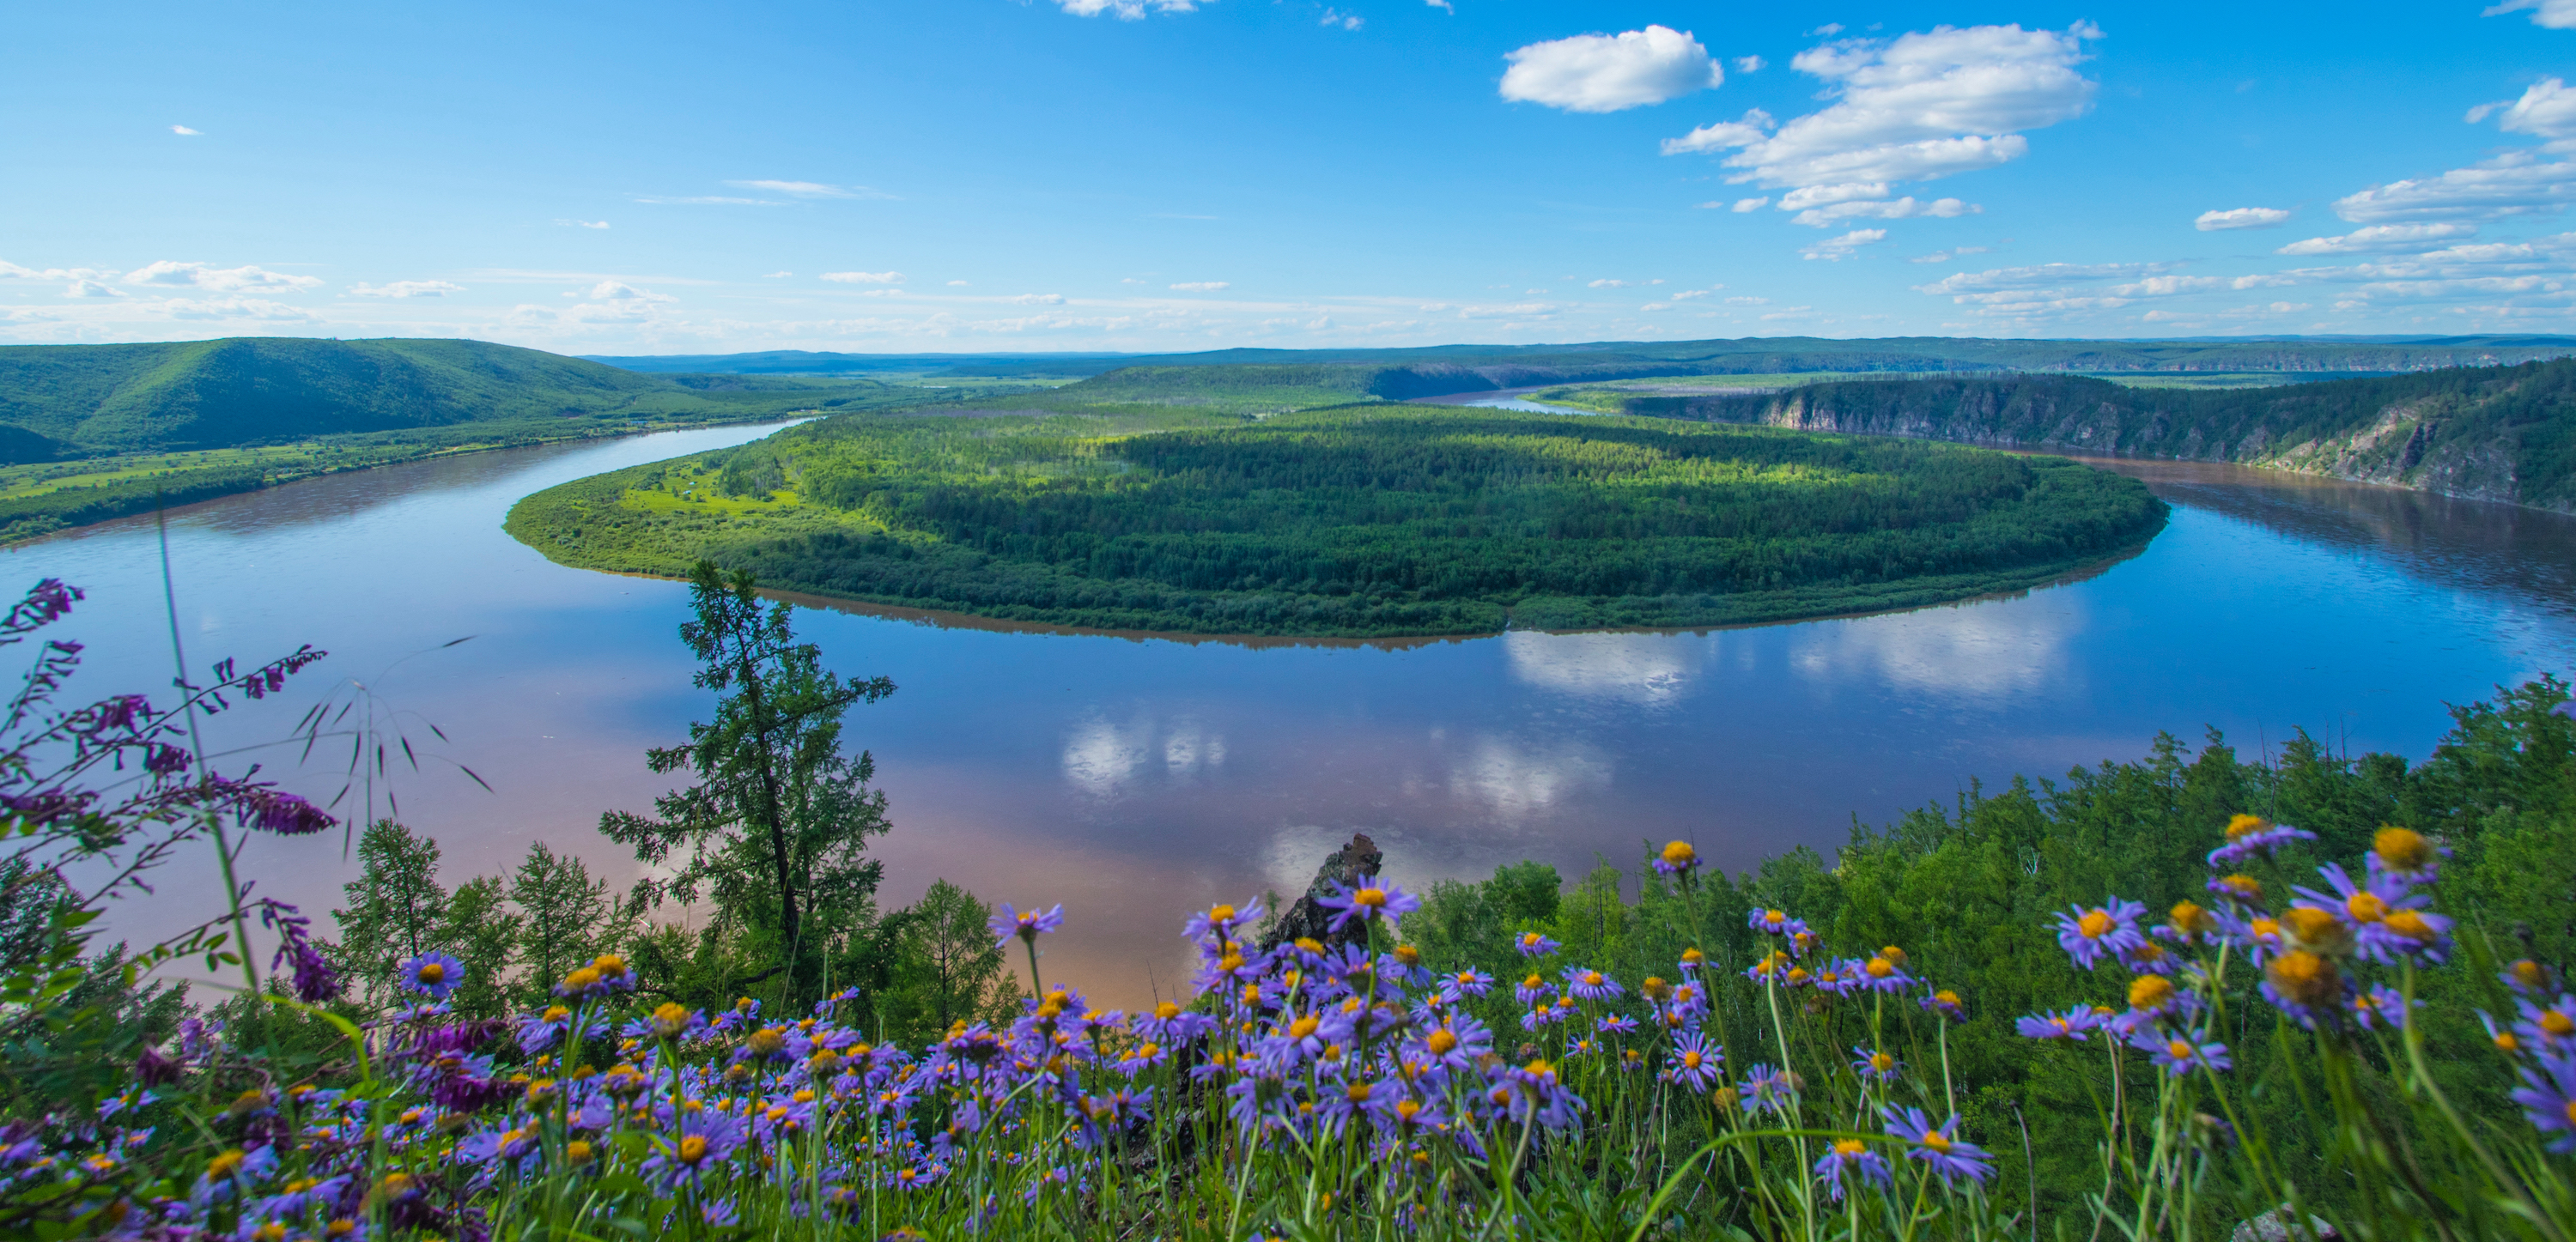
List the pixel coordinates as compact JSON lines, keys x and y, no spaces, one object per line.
{"x":396,"y":911}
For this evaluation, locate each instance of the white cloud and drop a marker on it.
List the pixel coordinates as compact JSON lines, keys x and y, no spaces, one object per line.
{"x":185,"y":132}
{"x":1126,"y":10}
{"x":1037,"y":299}
{"x":1925,"y":105}
{"x":1750,"y":64}
{"x":864,"y":278}
{"x":2383,"y":239}
{"x":778,"y":275}
{"x":1836,"y":249}
{"x":244,"y":279}
{"x":1905,"y":208}
{"x":1607,"y":283}
{"x":232,"y":308}
{"x":1944,"y":256}
{"x":583,"y":224}
{"x":706,"y":200}
{"x":406,"y":289}
{"x":1748,"y":301}
{"x":2513,"y":184}
{"x":811,"y":189}
{"x":1608,"y":73}
{"x":2239,"y":218}
{"x":1517,"y":310}
{"x":92,"y":289}
{"x":1826,"y":31}
{"x":2039,"y":276}
{"x":1202,"y":286}
{"x":2167,"y":286}
{"x":11,"y":271}
{"x":1335,"y":17}
{"x":2553,"y":14}
{"x":1744,"y":205}
{"x":957,"y":284}
{"x":619,"y":291}
{"x":1443,"y":5}
{"x":2547,"y":110}
{"x":1687,"y":294}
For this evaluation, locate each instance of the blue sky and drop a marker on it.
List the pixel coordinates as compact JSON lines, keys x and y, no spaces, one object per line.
{"x":991,"y":175}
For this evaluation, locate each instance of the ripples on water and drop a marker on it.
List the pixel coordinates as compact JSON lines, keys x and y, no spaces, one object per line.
{"x":1135,"y":777}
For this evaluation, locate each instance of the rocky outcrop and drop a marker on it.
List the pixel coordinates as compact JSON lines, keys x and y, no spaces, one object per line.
{"x":1308,"y":919}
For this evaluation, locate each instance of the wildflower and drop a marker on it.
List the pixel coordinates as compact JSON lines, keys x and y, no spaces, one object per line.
{"x":2181,"y":1054}
{"x":1457,"y":1042}
{"x":2149,"y":959}
{"x":1532,"y":944}
{"x":1540,"y":1090}
{"x":1939,"y":1146}
{"x":1886,"y":973}
{"x":2071,"y":1025}
{"x":1771,"y":1089}
{"x":1533,"y":990}
{"x":1850,"y":1156}
{"x":2548,"y":1099}
{"x":2552,"y":1028}
{"x":707,"y":1138}
{"x":1694,"y":1062}
{"x":2087,"y":934}
{"x":487,"y":1146}
{"x":2404,"y":853}
{"x":538,"y":1033}
{"x":2526,"y":977}
{"x":2188,"y":923}
{"x":1945,"y":1004}
{"x":1371,"y":898}
{"x":1464,"y":984}
{"x":2385,"y":918}
{"x":1773,"y":923}
{"x":1873,"y":1064}
{"x":1025,"y":926}
{"x":2379,"y":1005}
{"x":2241,"y":889}
{"x":1678,"y":858}
{"x":2249,"y":835}
{"x":1591,"y":985}
{"x":2317,"y":930}
{"x":1616,"y":1024}
{"x":433,"y":975}
{"x":2303,"y":985}
{"x":1222,"y":921}
{"x":2505,"y":1040}
{"x":671,"y":1020}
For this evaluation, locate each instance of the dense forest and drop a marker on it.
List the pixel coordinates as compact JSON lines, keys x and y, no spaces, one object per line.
{"x":1357,"y":521}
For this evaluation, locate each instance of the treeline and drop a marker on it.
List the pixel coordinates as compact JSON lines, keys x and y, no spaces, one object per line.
{"x":1969,"y":889}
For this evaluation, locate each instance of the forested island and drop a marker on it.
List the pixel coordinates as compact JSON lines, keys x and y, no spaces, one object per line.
{"x":1351,"y":522}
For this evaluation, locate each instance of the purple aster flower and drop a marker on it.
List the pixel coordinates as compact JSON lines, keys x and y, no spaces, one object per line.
{"x":2109,"y":928}
{"x":1358,"y":1101}
{"x":1540,"y":1089}
{"x":1588,"y":984}
{"x":1773,"y":923}
{"x":1458,"y":1042}
{"x":1694,"y":1062}
{"x":1874,"y":1064}
{"x":1850,"y":1157}
{"x":1677,"y":858}
{"x":2406,"y":854}
{"x":2250,"y":835}
{"x":2385,"y":915}
{"x":1939,"y":1146}
{"x":1767,"y":1088}
{"x":1466,"y":983}
{"x":432,"y":974}
{"x":2180,"y":1054}
{"x":538,"y":1032}
{"x":706,"y":1139}
{"x":2548,"y":1099}
{"x":487,"y":1146}
{"x":1027,"y":926}
{"x":1222,"y":921}
{"x":2551,"y":1028}
{"x":1945,"y":1004}
{"x":2377,"y":1006}
{"x":2071,"y":1025}
{"x":1532,"y":944}
{"x":1371,"y":898}
{"x":1616,"y":1024}
{"x":1533,"y":990}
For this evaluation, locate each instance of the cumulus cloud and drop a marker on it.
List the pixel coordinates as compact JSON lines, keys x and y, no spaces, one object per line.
{"x":1443,"y":5}
{"x":406,"y":289}
{"x":1836,"y":249}
{"x":185,"y":132}
{"x":864,"y":278}
{"x":1965,"y":286}
{"x":1608,"y":73}
{"x":1687,"y":294}
{"x":811,"y":189}
{"x":2167,"y":286}
{"x":619,"y":291}
{"x":583,"y":224}
{"x":2554,"y":14}
{"x":778,"y":275}
{"x":92,"y":289}
{"x":2384,"y":239}
{"x":1335,"y":17}
{"x":11,"y":271}
{"x":1944,"y":256}
{"x":957,"y":284}
{"x":1744,"y":205}
{"x":1202,"y":286}
{"x":1126,"y":10}
{"x":2513,"y":184}
{"x":2547,"y":110}
{"x":1606,"y":283}
{"x":244,"y":279}
{"x":2239,"y":218}
{"x":1922,"y":106}
{"x":1750,"y":64}
{"x":1906,"y":208}
{"x":1036,"y":299}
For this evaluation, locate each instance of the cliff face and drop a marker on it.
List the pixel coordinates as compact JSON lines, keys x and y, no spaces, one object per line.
{"x":2499,"y":433}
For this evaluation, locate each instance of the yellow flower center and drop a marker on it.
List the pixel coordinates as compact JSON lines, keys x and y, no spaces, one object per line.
{"x":2401,"y":849}
{"x":768,"y":1040}
{"x":1680,"y":854}
{"x":580,"y":979}
{"x":1303,"y":1027}
{"x":693,"y":1149}
{"x":1946,"y":997}
{"x":1592,"y":978}
{"x":1220,"y":913}
{"x":609,"y":966}
{"x":577,"y":1152}
{"x":1358,"y":1092}
{"x":1693,"y":957}
{"x":1848,"y":1148}
{"x":2505,"y":1041}
{"x":1934,"y":1140}
{"x":2178,"y":1050}
{"x":2189,"y":917}
{"x":223,"y":1165}
{"x":1406,"y":1109}
{"x":1369,"y":897}
{"x":1894,"y":955}
{"x":1881,"y":1062}
{"x":2409,"y":924}
{"x":1440,"y":1041}
{"x":1533,"y":982}
{"x":670,"y":1019}
{"x":2243,"y":825}
{"x":1691,"y":1059}
{"x":2365,"y":907}
{"x":1775,"y":916}
{"x":2304,"y":977}
{"x":2528,"y":973}
{"x":2095,"y":924}
{"x":1880,"y":968}
{"x":2557,"y":1024}
{"x":432,"y":972}
{"x":2149,"y":992}
{"x":2244,"y":887}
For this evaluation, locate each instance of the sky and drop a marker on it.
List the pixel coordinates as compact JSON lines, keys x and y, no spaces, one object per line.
{"x":1167,"y":175}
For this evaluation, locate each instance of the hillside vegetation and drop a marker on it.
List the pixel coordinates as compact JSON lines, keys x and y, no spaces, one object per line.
{"x":1353,"y":521}
{"x":90,"y":432}
{"x":2486,"y":433}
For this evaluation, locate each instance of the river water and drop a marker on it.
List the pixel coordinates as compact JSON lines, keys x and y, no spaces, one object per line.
{"x":1133,"y":778}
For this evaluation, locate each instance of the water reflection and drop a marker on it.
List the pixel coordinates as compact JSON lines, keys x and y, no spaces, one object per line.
{"x":1133,"y":777}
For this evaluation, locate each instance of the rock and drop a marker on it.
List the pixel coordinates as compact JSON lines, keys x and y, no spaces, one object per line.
{"x":2275,"y":1226}
{"x":1308,"y":919}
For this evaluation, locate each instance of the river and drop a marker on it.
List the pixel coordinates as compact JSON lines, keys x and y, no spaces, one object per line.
{"x":1133,"y":778}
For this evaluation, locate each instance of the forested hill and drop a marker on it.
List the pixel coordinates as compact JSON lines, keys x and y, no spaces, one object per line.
{"x":2486,"y":433}
{"x":78,"y":400}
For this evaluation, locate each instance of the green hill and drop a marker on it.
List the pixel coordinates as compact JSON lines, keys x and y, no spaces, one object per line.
{"x":91,"y":432}
{"x":2483,"y":433}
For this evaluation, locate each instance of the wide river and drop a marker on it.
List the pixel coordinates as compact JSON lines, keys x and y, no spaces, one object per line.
{"x":1133,"y":778}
